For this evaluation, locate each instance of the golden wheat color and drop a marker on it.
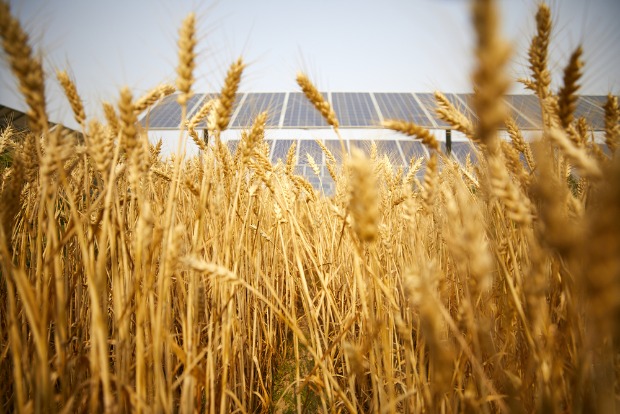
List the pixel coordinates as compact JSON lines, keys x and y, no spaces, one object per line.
{"x":223,"y":283}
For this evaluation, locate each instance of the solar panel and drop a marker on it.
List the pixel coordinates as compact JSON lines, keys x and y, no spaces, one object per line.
{"x":232,"y":145}
{"x":463,"y":102}
{"x":269,"y":143}
{"x":301,"y":113}
{"x":411,"y":149}
{"x":168,"y":113}
{"x":605,"y":149}
{"x":355,"y":109}
{"x":528,"y":106}
{"x":333,"y":145}
{"x":256,"y":103}
{"x":364,"y":146}
{"x":597,"y":100}
{"x":328,"y":185}
{"x":594,"y":114}
{"x":429,"y":102}
{"x":312,"y":148}
{"x":390,"y":148}
{"x":460,"y":150}
{"x":280,"y":149}
{"x":402,"y":106}
{"x":203,"y":123}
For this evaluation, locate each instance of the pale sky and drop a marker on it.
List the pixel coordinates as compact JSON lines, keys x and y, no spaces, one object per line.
{"x":344,"y":45}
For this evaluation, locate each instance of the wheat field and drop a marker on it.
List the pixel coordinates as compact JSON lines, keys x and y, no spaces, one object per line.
{"x":223,"y":283}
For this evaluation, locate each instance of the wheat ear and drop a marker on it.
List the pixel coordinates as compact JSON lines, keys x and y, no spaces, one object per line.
{"x":612,"y":129}
{"x":538,"y":52}
{"x":72,"y":95}
{"x":316,"y":99}
{"x":363,"y":202}
{"x":227,"y":96}
{"x":567,"y":97}
{"x":187,"y":56}
{"x":413,"y":130}
{"x":148,"y":99}
{"x":446,"y":111}
{"x":111,"y":117}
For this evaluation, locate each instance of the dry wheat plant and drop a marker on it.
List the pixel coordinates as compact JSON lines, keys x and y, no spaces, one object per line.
{"x":223,"y":283}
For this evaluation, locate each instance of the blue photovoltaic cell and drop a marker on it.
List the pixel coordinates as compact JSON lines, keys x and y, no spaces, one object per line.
{"x":412,"y":148}
{"x":527,"y":105}
{"x":594,"y":114}
{"x":280,"y":149}
{"x":312,"y":148}
{"x":402,"y":106}
{"x":355,"y":109}
{"x":301,"y":113}
{"x":460,"y":151}
{"x":168,"y":113}
{"x":429,"y":102}
{"x":256,"y":103}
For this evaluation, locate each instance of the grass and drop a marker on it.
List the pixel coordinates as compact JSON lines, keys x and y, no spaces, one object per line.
{"x":224,"y":283}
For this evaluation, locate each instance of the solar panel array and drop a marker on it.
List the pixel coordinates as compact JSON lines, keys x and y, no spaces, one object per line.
{"x":359,"y":109}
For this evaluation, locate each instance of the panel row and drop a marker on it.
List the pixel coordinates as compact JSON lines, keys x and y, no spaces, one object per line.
{"x":399,"y":152}
{"x":359,"y":110}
